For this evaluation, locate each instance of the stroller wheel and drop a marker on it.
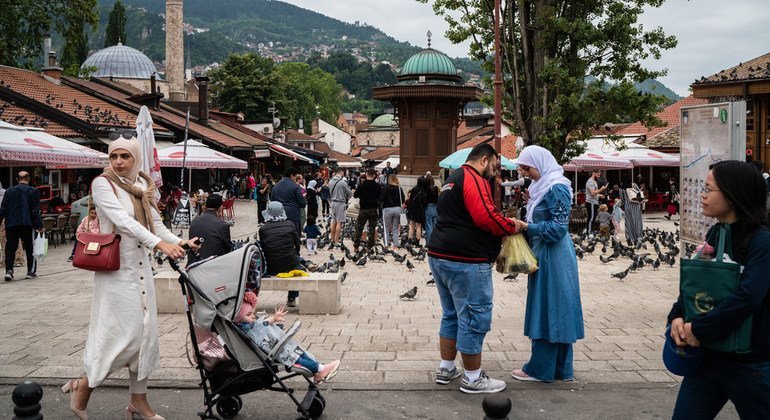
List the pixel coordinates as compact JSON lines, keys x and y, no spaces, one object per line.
{"x":229,"y":407}
{"x":317,"y":407}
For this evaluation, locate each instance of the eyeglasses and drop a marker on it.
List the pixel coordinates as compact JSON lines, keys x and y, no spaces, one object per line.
{"x":128,"y":135}
{"x":704,"y":189}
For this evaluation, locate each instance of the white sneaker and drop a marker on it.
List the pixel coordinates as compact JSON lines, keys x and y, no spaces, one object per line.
{"x":483,"y":385}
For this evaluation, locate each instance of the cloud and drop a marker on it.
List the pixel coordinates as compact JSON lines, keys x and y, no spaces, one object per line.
{"x":713,"y":34}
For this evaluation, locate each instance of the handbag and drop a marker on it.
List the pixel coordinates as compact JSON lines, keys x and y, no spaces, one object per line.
{"x":705,"y":283}
{"x":402,"y":219}
{"x":97,"y":251}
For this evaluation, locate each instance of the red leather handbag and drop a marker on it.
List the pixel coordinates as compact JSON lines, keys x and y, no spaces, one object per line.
{"x":97,"y":252}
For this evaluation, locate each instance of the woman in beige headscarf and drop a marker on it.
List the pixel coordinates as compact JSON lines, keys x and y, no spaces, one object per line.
{"x":123,"y":327}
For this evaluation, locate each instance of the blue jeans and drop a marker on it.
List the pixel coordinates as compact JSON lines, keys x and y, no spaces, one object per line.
{"x":550,"y":361}
{"x":465,"y":291}
{"x":431,"y":215}
{"x":746,"y":384}
{"x":308,"y":362}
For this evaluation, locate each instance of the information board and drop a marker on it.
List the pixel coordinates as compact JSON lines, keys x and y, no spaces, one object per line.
{"x":709,"y":134}
{"x":182,"y":214}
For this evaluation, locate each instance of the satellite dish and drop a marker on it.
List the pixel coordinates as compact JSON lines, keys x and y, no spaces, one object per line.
{"x":266,"y":129}
{"x":276,"y":122}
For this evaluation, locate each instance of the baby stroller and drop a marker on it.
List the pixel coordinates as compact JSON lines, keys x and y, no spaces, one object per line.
{"x":213,"y":289}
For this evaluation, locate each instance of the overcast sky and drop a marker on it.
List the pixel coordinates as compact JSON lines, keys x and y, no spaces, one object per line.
{"x":713,"y":34}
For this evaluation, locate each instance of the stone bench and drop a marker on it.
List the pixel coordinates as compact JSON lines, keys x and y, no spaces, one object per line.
{"x":320,"y":293}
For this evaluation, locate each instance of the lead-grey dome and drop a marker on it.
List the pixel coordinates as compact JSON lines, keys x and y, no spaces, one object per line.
{"x":121,"y":61}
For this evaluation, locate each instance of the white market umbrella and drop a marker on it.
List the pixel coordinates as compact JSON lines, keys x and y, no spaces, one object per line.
{"x":642,"y":156}
{"x":27,"y":145}
{"x":458,"y":158}
{"x":394,"y":161}
{"x":592,"y":159}
{"x":146,"y":137}
{"x":199,"y":156}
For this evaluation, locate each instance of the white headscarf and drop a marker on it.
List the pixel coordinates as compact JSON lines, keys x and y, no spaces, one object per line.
{"x":311,"y":185}
{"x":551,"y":173}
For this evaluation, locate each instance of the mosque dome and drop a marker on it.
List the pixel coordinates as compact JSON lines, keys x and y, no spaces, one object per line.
{"x":429,"y":62}
{"x":384,"y":120}
{"x":121,"y":61}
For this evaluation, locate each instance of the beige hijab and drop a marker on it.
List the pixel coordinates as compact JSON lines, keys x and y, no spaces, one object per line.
{"x":143,"y":200}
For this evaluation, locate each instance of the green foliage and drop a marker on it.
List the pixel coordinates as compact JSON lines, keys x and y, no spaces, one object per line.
{"x":76,"y":38}
{"x":245,"y":83}
{"x":357,"y":77}
{"x":23,"y":24}
{"x":364,"y":106}
{"x":116,"y":26}
{"x":307,"y":92}
{"x":549,"y":47}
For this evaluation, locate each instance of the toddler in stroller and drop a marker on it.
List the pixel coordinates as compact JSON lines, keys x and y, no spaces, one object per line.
{"x":266,"y":335}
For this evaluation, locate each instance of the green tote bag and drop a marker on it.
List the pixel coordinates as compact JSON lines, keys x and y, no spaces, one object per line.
{"x":703,"y":284}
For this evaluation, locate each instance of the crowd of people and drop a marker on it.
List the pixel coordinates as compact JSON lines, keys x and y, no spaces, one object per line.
{"x":463,"y":235}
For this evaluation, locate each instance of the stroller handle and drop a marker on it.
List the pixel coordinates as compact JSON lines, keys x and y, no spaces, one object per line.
{"x":186,"y":246}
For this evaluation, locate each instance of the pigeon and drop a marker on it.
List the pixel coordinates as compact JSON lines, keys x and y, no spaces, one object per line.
{"x":409,"y":265}
{"x":605,"y":260}
{"x":399,"y":258}
{"x":420,"y":257}
{"x":431,"y":282}
{"x":579,"y":253}
{"x":343,"y":277}
{"x":621,"y":275}
{"x":655,"y":264}
{"x":511,"y":277}
{"x":361,"y":261}
{"x":410,"y":294}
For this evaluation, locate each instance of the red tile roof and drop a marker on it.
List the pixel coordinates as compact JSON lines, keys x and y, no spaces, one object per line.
{"x":333,"y":154}
{"x":90,"y":109}
{"x":380,"y":154}
{"x":669,"y":115}
{"x":15,"y":115}
{"x":508,"y":144}
{"x":164,"y":115}
{"x":293,"y":135}
{"x":754,"y":69}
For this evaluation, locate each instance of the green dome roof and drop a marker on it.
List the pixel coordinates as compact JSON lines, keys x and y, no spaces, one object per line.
{"x":427,"y":62}
{"x":384,"y":120}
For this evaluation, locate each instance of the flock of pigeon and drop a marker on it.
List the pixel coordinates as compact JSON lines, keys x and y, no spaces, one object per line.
{"x":654,"y":249}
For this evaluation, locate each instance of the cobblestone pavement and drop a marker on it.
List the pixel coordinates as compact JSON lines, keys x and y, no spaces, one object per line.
{"x":383,"y":342}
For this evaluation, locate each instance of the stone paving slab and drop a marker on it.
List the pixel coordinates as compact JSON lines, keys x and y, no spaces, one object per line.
{"x":382,"y":341}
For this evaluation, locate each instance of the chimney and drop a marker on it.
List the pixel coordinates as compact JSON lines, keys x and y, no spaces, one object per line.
{"x":152,"y":83}
{"x":301,"y":125}
{"x":314,"y":127}
{"x":203,"y":99}
{"x":52,"y":71}
{"x":175,"y":50}
{"x":46,"y":48}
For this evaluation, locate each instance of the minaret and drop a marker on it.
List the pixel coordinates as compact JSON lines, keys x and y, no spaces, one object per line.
{"x":175,"y":50}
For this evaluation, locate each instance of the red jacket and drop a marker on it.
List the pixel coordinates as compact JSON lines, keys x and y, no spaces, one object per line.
{"x":469,"y":228}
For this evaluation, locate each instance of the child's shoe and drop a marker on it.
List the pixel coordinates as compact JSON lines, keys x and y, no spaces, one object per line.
{"x":327,"y":373}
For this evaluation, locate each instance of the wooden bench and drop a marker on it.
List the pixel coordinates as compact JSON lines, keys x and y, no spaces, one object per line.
{"x":320,"y":293}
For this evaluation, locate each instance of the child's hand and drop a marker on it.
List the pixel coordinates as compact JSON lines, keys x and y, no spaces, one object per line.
{"x":279,"y":313}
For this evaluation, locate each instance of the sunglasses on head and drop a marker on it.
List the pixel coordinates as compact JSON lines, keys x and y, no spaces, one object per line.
{"x":128,"y":135}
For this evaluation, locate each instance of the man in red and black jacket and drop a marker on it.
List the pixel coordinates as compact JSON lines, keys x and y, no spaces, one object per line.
{"x":464,"y":244}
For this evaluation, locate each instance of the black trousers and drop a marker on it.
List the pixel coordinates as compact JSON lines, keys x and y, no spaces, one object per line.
{"x":593,"y":210}
{"x":12,"y":236}
{"x":366,"y":215}
{"x":325,"y":207}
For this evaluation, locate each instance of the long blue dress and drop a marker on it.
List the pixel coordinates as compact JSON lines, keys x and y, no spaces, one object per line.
{"x":554,"y":312}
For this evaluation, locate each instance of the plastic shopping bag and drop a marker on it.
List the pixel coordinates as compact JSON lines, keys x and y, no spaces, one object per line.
{"x":40,"y":247}
{"x":516,"y":256}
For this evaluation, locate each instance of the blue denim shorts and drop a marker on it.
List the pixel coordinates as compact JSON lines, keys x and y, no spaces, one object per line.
{"x":466,"y":294}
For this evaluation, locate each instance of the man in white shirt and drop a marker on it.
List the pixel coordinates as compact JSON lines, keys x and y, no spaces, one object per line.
{"x":593,"y":194}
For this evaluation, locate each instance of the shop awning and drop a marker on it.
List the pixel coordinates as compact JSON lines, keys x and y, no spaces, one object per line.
{"x":32,"y":146}
{"x":199,"y":156}
{"x":394,"y":161}
{"x":281,"y":150}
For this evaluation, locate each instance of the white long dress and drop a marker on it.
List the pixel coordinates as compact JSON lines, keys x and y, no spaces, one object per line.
{"x":124,"y":322}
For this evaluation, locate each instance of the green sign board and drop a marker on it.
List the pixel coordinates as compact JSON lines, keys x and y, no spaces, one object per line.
{"x":723,"y":115}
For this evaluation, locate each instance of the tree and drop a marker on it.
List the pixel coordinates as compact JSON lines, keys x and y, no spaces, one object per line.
{"x":76,"y":40}
{"x":116,"y":26}
{"x":549,"y":48}
{"x":308,"y":93}
{"x":23,"y":24}
{"x":245,"y":83}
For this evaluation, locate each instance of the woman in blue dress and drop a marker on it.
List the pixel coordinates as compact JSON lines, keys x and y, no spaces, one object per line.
{"x":554,"y":316}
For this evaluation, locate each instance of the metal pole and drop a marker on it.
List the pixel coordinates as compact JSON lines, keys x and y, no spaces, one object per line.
{"x":498,"y":101}
{"x":184,"y":150}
